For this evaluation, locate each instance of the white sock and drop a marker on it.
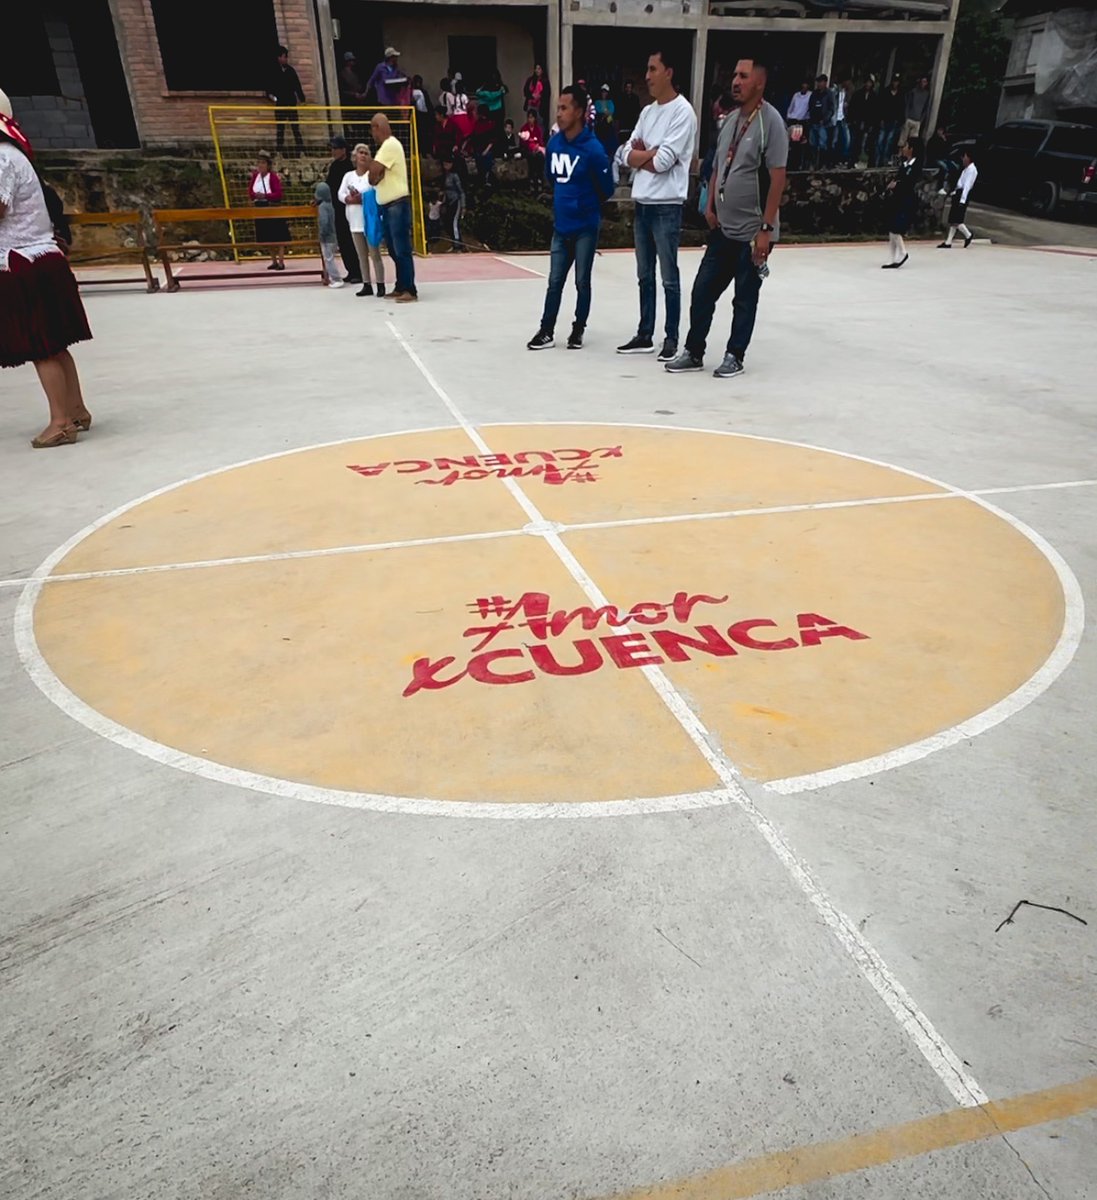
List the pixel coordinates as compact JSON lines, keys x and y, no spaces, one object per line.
{"x":893,"y":243}
{"x":900,"y":248}
{"x":951,"y":235}
{"x":965,"y":233}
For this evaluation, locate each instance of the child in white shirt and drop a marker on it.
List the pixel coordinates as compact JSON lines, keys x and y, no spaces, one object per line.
{"x":958,"y":212}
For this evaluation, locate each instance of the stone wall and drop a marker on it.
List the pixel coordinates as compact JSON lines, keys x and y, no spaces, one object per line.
{"x":818,"y":205}
{"x":58,"y":120}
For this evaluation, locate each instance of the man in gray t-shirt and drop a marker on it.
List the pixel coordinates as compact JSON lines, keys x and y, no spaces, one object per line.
{"x":744,"y":200}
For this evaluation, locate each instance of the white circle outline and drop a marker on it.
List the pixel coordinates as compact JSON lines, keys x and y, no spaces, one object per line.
{"x":51,"y":686}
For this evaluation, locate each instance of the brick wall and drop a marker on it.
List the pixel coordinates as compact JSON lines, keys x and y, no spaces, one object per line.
{"x":62,"y":120}
{"x":166,"y":118}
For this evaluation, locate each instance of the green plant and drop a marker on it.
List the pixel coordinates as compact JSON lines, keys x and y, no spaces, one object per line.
{"x":980,"y":53}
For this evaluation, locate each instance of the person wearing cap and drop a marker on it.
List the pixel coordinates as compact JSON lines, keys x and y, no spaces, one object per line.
{"x":337,"y":169}
{"x":40,"y":306}
{"x":350,"y":83}
{"x":390,"y":83}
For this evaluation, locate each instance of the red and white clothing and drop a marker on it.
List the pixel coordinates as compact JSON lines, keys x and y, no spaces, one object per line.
{"x":266,"y":187}
{"x":40,"y":309}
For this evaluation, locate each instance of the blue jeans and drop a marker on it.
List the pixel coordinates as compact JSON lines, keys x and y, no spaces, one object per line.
{"x":725,"y":262}
{"x":841,"y":142}
{"x":657,"y":229}
{"x":819,"y":139}
{"x":887,"y":141}
{"x":568,"y":248}
{"x":396,"y":222}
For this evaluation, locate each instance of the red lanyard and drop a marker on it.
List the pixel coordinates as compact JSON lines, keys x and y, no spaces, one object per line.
{"x":734,"y":147}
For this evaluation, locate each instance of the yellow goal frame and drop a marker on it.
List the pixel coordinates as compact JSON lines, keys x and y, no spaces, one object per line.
{"x":236,"y":128}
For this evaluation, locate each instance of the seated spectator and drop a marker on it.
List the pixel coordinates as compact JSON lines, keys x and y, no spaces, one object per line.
{"x":531,"y":138}
{"x":510,"y":147}
{"x":937,"y":155}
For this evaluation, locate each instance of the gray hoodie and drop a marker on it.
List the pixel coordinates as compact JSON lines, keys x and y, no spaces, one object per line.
{"x":325,"y":213}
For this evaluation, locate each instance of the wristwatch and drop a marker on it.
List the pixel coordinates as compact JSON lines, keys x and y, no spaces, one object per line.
{"x":766,"y":227}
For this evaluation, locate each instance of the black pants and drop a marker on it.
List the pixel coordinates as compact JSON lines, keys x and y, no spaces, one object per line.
{"x":284,"y":117}
{"x":347,"y":251}
{"x":725,"y":262}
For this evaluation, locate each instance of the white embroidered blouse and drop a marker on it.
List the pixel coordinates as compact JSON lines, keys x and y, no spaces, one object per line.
{"x":26,"y":226}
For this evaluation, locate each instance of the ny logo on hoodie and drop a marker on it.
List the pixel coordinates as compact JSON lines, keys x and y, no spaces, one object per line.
{"x":562,"y":166}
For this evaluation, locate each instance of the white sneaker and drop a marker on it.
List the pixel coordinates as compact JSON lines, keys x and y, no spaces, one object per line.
{"x":943,"y":192}
{"x":336,"y":283}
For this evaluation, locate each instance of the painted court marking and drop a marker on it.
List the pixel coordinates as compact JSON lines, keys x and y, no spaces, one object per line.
{"x":828,"y":1160}
{"x":961,"y":1085}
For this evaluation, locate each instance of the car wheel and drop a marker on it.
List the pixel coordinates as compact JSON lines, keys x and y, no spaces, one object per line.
{"x":1044,"y":198}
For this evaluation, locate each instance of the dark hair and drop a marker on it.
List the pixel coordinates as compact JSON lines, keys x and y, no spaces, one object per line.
{"x":508,"y":121}
{"x":821,"y":79}
{"x":443,"y":85}
{"x":579,"y":97}
{"x":758,"y":61}
{"x":667,"y":57}
{"x":917,"y":149}
{"x":282,"y":50}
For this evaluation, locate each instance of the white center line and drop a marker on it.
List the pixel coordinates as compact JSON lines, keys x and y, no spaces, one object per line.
{"x":616,"y":523}
{"x":937,"y":1052}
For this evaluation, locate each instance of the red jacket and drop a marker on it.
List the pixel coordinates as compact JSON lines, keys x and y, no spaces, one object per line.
{"x":273,"y":182}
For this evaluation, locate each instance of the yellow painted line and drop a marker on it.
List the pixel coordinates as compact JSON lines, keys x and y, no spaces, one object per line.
{"x":808,"y":1164}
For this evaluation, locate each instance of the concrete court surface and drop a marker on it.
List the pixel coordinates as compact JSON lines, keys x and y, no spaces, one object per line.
{"x":214,"y":990}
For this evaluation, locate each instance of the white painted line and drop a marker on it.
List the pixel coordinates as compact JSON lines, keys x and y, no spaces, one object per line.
{"x":1031,"y":487}
{"x":622,"y":523}
{"x":510,"y":262}
{"x":274,"y":556}
{"x":944,"y":1061}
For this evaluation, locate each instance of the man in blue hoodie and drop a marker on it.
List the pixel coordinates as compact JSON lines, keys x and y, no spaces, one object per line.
{"x":577,"y":165}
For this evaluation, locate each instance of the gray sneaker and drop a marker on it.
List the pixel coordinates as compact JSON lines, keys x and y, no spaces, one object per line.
{"x":684,"y":362}
{"x":729,"y":368}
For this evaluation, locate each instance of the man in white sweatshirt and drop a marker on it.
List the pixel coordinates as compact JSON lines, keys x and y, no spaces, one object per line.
{"x":659,"y":153}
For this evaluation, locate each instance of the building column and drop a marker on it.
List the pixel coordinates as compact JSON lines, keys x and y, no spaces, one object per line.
{"x":325,"y":35}
{"x":553,"y":66}
{"x":937,"y":81}
{"x":699,"y":86}
{"x":567,"y":42}
{"x":825,"y":64}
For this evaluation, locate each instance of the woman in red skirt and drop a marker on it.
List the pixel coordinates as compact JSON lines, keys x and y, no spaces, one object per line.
{"x":40,"y":310}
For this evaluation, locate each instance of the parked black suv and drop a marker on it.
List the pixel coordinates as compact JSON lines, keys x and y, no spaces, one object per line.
{"x":1043,"y":165}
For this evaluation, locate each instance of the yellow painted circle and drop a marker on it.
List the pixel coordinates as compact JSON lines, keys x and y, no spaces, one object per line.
{"x":338,"y":638}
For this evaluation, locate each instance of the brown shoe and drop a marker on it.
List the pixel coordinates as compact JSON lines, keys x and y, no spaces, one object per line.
{"x":395,"y":295}
{"x":64,"y":437}
{"x":406,"y":298}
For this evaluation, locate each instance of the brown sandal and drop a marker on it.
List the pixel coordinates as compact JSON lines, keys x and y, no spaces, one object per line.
{"x":64,"y":437}
{"x":82,"y":424}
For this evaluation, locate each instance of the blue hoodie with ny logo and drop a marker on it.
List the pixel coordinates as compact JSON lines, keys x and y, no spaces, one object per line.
{"x":582,"y":179}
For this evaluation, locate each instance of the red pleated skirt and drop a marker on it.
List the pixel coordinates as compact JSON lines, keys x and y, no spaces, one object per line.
{"x":40,"y":309}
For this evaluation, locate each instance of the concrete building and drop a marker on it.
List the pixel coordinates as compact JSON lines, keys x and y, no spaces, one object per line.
{"x":1052,"y":71}
{"x":115,"y":73}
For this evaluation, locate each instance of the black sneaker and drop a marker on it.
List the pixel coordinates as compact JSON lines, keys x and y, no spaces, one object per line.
{"x":637,"y":345}
{"x":365,"y":290}
{"x":541,"y":341}
{"x":352,"y":279}
{"x":684,"y":362}
{"x":575,"y":338}
{"x":380,"y":291}
{"x":669,"y":351}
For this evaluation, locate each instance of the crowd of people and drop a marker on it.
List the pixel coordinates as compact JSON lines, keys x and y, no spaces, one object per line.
{"x":364,"y":202}
{"x":838,"y":125}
